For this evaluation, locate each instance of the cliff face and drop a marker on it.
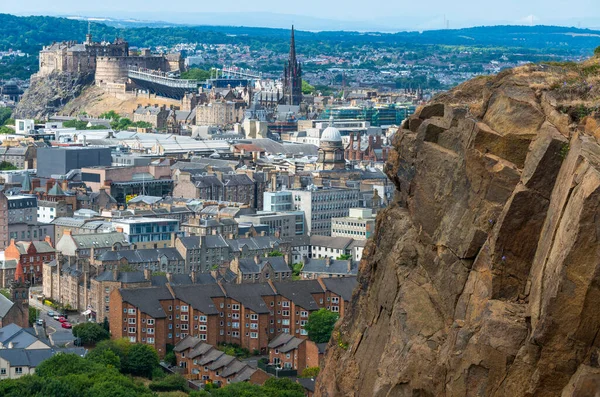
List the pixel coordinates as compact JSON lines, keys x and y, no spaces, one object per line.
{"x":484,"y":278}
{"x":48,"y":94}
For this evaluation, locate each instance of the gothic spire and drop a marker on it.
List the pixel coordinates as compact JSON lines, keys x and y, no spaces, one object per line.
{"x":293,"y":49}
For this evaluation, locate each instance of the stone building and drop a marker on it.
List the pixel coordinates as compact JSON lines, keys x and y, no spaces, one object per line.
{"x":219,"y":113}
{"x":18,"y":220}
{"x":218,"y":186}
{"x":155,"y":115}
{"x":331,"y":151}
{"x":31,"y":255}
{"x":374,"y":150}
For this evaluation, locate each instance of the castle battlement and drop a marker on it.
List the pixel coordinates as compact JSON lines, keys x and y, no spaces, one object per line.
{"x":108,"y":61}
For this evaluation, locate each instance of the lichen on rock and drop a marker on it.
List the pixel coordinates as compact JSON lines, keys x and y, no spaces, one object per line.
{"x":483,"y":279}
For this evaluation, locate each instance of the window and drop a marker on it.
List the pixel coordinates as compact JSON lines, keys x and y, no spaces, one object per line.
{"x":235,"y":334}
{"x":131,"y":330}
{"x":184,"y":308}
{"x":335,"y":299}
{"x":131,"y":321}
{"x":285,"y":322}
{"x":202,"y":336}
{"x":286,"y":304}
{"x":254,"y":326}
{"x":150,"y":331}
{"x":235,"y":316}
{"x":150,"y":321}
{"x":304,"y":314}
{"x":203,"y":328}
{"x":286,"y":313}
{"x":18,"y":370}
{"x":150,"y":340}
{"x":131,"y":311}
{"x":254,"y":317}
{"x":254,"y":335}
{"x":235,"y":325}
{"x":235,"y":307}
{"x":184,"y":317}
{"x":184,"y":327}
{"x":202,"y":319}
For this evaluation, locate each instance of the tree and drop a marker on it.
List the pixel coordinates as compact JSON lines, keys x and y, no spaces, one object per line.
{"x":307,"y":88}
{"x":5,"y":114}
{"x":6,"y":166}
{"x":141,"y":360}
{"x":90,"y":333}
{"x":107,"y":358}
{"x":32,"y":315}
{"x":320,"y":325}
{"x":597,"y":51}
{"x":275,"y":253}
{"x":105,"y":324}
{"x":310,"y":372}
{"x":170,"y":383}
{"x":344,"y":257}
{"x":110,"y":115}
{"x":196,"y":74}
{"x":6,"y":130}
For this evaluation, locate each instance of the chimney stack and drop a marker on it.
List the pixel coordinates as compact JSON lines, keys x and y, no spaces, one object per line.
{"x":327,"y":261}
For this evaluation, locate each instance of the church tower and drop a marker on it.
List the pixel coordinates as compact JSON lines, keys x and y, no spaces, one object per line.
{"x":292,"y":77}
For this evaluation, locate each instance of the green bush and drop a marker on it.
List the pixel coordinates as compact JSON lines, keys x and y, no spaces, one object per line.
{"x":90,"y":333}
{"x":597,"y":51}
{"x":310,"y":372}
{"x":169,"y":383}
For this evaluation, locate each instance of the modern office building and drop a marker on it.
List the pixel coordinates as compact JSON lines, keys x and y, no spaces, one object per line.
{"x":320,"y":205}
{"x":359,"y":224}
{"x":285,"y":224}
{"x":61,"y":160}
{"x":148,"y":232}
{"x":278,"y":201}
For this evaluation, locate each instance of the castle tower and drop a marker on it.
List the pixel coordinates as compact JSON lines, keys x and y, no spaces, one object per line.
{"x":292,"y":77}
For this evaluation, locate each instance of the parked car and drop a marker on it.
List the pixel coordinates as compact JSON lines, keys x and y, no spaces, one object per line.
{"x":66,"y":325}
{"x":51,"y":313}
{"x":56,"y":317}
{"x":40,"y":322}
{"x":62,"y":319}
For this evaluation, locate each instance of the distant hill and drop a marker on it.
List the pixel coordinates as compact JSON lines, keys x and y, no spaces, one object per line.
{"x":29,"y":34}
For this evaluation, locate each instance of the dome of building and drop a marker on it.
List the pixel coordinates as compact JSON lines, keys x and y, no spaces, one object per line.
{"x":331,"y":134}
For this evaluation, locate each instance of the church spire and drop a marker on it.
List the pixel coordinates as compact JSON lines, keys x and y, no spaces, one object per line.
{"x":292,"y":48}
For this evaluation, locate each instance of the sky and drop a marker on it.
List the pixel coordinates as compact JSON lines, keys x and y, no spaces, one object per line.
{"x":383,"y":15}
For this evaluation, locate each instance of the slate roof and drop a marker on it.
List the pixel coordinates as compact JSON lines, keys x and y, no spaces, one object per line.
{"x":278,"y":263}
{"x":254,"y":243}
{"x":99,"y":240}
{"x":147,"y":299}
{"x":335,"y":267}
{"x":40,"y":246}
{"x":26,"y":358}
{"x":233,"y":368}
{"x":341,"y":243}
{"x":307,"y":383}
{"x":250,"y":295}
{"x":5,"y":305}
{"x":142,"y":255}
{"x":124,"y":277}
{"x":186,"y":343}
{"x":19,"y":337}
{"x":341,"y":286}
{"x":199,"y":296}
{"x":222,"y":361}
{"x":300,"y":292}
{"x":244,"y":375}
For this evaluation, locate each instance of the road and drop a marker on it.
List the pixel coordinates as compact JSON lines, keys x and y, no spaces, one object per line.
{"x":58,"y":335}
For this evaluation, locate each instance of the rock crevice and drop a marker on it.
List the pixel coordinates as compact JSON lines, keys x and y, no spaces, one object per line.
{"x":483,"y":279}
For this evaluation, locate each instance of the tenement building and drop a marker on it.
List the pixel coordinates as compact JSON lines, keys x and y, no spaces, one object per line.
{"x":249,"y":315}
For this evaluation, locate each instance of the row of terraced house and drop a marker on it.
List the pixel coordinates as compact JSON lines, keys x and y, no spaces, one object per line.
{"x":249,"y":315}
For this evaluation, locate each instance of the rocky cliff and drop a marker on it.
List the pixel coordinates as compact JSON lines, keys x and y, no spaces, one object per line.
{"x":48,"y":94}
{"x":484,"y":278}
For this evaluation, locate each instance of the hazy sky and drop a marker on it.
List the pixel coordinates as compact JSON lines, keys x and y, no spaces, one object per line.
{"x":402,"y":14}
